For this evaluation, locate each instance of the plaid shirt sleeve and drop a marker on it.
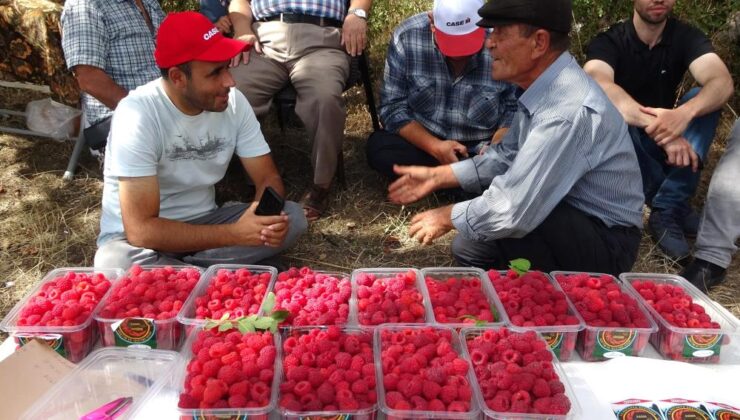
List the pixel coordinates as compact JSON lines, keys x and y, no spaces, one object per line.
{"x":84,"y":37}
{"x":394,"y":110}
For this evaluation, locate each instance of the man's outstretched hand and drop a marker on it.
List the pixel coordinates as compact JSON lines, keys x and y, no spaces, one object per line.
{"x":413,"y":184}
{"x":427,"y":226}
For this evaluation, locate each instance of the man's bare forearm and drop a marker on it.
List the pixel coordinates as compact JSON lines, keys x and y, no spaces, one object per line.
{"x":419,"y":136}
{"x":240,"y":13}
{"x":710,"y":98}
{"x":361,"y":4}
{"x":172,"y":236}
{"x":96,"y":82}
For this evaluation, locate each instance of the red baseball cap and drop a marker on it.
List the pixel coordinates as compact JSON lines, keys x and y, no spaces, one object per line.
{"x":189,"y":36}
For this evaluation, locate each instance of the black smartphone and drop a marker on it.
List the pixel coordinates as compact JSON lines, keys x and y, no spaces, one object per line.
{"x":271,"y":203}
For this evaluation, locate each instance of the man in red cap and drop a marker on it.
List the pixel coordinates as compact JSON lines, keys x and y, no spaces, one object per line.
{"x":439,"y":103}
{"x":172,"y":140}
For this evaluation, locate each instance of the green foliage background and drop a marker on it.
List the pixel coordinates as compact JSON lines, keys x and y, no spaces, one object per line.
{"x":714,"y":17}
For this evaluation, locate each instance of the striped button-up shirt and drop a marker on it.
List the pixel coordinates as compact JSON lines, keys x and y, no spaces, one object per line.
{"x":334,"y":9}
{"x":567,"y":142}
{"x":113,"y":36}
{"x":418,"y":86}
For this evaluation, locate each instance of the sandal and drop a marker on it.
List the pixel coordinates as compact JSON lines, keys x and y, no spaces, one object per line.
{"x":314,"y":202}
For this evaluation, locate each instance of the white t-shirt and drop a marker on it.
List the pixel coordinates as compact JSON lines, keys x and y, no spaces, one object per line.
{"x":188,"y":154}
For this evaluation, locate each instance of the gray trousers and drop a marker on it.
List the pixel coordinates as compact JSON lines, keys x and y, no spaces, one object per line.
{"x":313,"y":60}
{"x":118,"y":253}
{"x":720,"y":221}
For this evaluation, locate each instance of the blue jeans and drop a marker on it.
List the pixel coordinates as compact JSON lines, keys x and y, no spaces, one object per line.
{"x":670,"y":187}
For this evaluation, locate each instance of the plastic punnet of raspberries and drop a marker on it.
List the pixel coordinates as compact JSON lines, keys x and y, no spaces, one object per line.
{"x":313,"y":298}
{"x":229,"y":369}
{"x":678,"y":308}
{"x":422,"y":371}
{"x":459,"y":300}
{"x":239,"y":292}
{"x":674,"y":305}
{"x":156,"y":293}
{"x":389,"y":299}
{"x":328,"y":370}
{"x":64,"y":301}
{"x":601,"y":301}
{"x":531,"y":300}
{"x":515,"y":372}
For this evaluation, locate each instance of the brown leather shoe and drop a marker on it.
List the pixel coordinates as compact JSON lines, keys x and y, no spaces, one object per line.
{"x":314,"y":202}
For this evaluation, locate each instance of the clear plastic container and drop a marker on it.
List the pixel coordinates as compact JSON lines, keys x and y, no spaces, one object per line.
{"x":487,"y":413}
{"x":106,"y":375}
{"x":72,"y":342}
{"x":603,"y":343}
{"x":250,"y":413}
{"x":702,"y":345}
{"x":369,"y":413}
{"x":457,"y":345}
{"x":163,"y":334}
{"x":561,"y":338}
{"x":441,"y":274}
{"x":381,"y":273}
{"x":288,"y":323}
{"x":187,"y":314}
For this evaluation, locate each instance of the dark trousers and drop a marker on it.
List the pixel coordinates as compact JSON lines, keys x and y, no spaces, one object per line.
{"x":386,"y":149}
{"x":567,"y":239}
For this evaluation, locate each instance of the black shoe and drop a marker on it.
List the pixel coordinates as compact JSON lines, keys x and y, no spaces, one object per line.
{"x":703,"y":274}
{"x":665,"y":226}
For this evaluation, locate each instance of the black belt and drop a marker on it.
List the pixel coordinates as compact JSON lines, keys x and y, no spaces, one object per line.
{"x":296,"y":18}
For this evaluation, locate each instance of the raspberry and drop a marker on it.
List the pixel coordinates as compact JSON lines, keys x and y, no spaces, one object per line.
{"x":213,"y":392}
{"x":499,"y":403}
{"x":430,"y":390}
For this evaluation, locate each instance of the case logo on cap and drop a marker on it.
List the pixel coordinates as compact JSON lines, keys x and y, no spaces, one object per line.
{"x":208,"y":35}
{"x":459,"y":22}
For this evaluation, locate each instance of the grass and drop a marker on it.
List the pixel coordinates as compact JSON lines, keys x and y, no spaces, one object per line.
{"x":46,"y":223}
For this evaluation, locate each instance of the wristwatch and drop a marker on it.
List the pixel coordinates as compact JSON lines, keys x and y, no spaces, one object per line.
{"x":360,"y":13}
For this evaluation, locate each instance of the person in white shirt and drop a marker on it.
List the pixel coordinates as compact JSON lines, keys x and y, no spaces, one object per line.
{"x":173,"y":139}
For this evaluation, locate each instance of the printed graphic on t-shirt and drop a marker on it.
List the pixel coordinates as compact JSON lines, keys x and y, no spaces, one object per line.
{"x":185,"y":148}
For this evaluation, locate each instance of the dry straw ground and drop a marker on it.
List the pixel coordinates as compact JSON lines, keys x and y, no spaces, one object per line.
{"x":46,"y":223}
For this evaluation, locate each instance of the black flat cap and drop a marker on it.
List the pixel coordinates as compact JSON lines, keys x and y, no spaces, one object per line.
{"x":554,"y":15}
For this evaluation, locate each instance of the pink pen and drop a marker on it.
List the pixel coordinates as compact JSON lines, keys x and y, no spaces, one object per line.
{"x":110,"y":410}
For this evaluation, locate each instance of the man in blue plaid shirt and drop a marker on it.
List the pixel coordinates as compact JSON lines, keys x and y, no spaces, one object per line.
{"x":307,"y":43}
{"x":109,"y":46}
{"x":439,"y":103}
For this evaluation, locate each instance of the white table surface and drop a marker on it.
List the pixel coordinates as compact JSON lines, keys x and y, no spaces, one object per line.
{"x":596,"y":384}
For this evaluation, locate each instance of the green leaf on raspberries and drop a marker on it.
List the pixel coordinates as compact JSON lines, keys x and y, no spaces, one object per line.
{"x":264,"y":323}
{"x":280,"y":315}
{"x":269,"y":304}
{"x":520,"y":265}
{"x":224,"y":317}
{"x":226,"y":326}
{"x":210,"y":324}
{"x":242,"y":327}
{"x":273,"y":328}
{"x":480,"y":323}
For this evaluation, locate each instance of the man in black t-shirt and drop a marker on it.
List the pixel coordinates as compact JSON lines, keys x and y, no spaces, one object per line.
{"x":640,"y":63}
